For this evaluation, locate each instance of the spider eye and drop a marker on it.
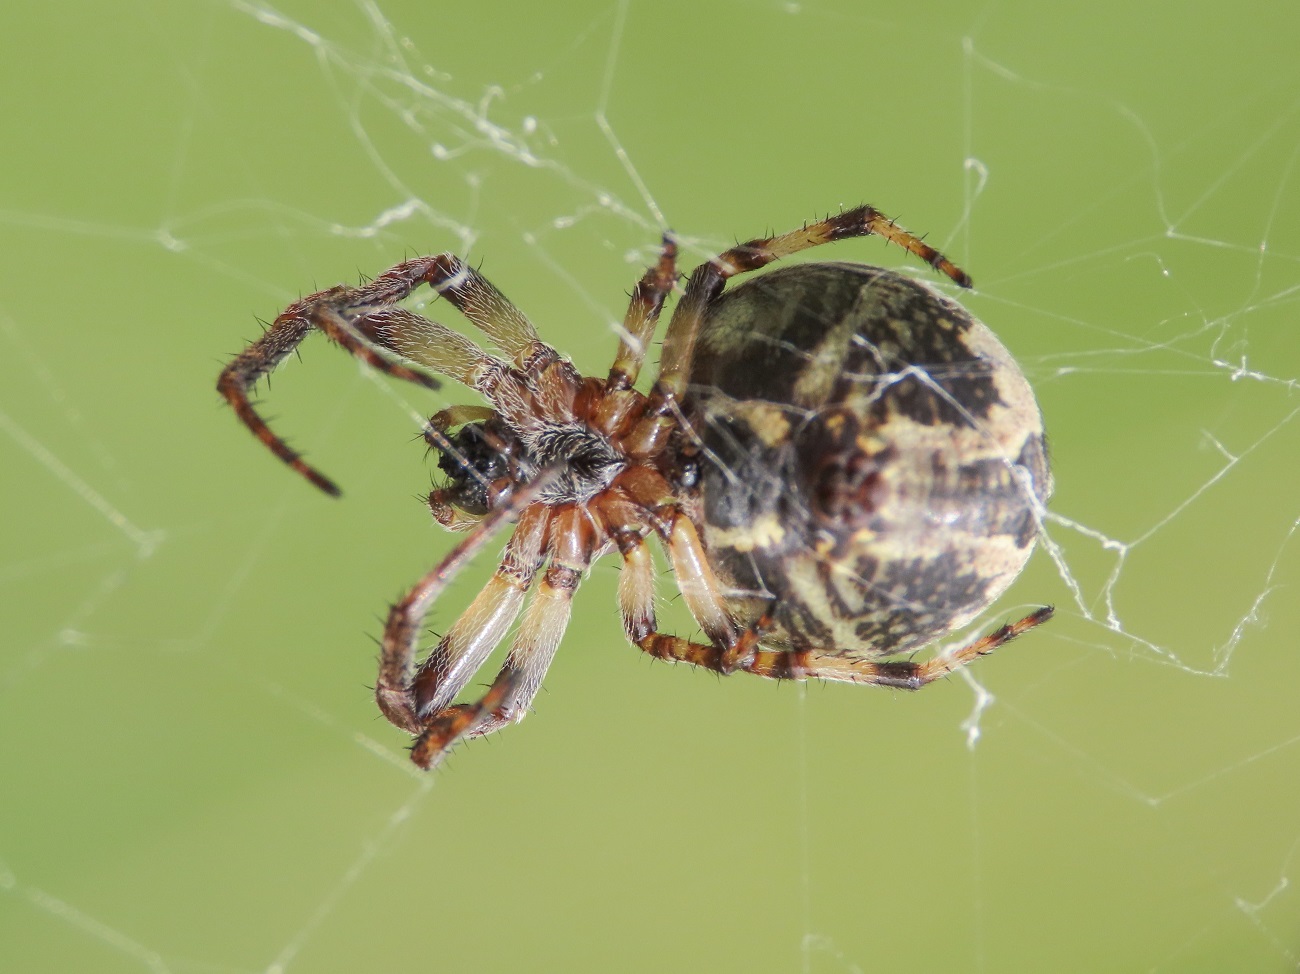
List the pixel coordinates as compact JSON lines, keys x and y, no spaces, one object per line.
{"x":473,"y":460}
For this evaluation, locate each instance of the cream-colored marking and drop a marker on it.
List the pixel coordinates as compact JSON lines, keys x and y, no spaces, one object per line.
{"x":764,"y":532}
{"x":770,"y":422}
{"x":825,"y":364}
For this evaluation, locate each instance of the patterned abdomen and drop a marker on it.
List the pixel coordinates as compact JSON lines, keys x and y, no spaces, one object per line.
{"x":873,"y":458}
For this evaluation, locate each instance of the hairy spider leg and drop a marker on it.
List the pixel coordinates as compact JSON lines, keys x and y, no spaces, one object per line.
{"x":636,"y":600}
{"x":472,"y":294}
{"x":901,"y":674}
{"x":430,"y":343}
{"x":450,"y":724}
{"x":696,"y":580}
{"x":239,"y":377}
{"x":643,"y":316}
{"x":707,"y":281}
{"x":286,"y":333}
{"x":616,"y":402}
{"x":405,"y":698}
{"x":636,"y":588}
{"x":362,"y":318}
{"x":619,"y":402}
{"x":572,"y":545}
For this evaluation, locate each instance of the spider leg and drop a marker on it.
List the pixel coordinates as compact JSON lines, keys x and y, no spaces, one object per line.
{"x":619,"y":402}
{"x":794,"y":664}
{"x":706,"y":281}
{"x":341,"y":329}
{"x":572,"y":545}
{"x":541,"y":383}
{"x":636,"y":604}
{"x":405,"y":696}
{"x":364,"y":318}
{"x":430,"y":343}
{"x":238,"y":378}
{"x":471,"y":293}
{"x":642,"y":316}
{"x":636,"y":599}
{"x":452,"y":723}
{"x":698,"y":584}
{"x":320,"y":310}
{"x":729,"y":649}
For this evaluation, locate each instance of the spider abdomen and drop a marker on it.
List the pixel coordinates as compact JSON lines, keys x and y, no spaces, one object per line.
{"x":873,"y":459}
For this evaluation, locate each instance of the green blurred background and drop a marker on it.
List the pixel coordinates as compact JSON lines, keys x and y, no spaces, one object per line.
{"x":194,"y":776}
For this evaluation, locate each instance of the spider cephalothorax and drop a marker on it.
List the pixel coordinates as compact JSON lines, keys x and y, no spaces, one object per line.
{"x":841,"y":463}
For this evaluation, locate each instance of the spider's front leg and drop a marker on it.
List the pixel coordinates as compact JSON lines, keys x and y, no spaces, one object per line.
{"x":513,"y":690}
{"x":366,"y":322}
{"x":340,"y":314}
{"x":237,"y":380}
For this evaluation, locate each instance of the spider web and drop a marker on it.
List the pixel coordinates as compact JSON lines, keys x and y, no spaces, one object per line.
{"x":195,"y":779}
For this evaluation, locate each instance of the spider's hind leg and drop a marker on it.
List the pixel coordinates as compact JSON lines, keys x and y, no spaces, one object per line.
{"x":899,"y":674}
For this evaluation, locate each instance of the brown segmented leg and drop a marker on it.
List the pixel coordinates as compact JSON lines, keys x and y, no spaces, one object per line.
{"x":452,"y":723}
{"x":636,"y":597}
{"x":636,"y":588}
{"x":471,"y":293}
{"x":238,"y":378}
{"x":707,"y":281}
{"x":695,"y":577}
{"x":616,"y":402}
{"x":363,"y":318}
{"x":545,"y":620}
{"x":572,"y":544}
{"x":642,"y":317}
{"x":901,"y":674}
{"x":430,"y":343}
{"x":636,"y":602}
{"x":702,"y":593}
{"x":628,"y":523}
{"x":343,"y":332}
{"x":320,"y":310}
{"x":404,"y":699}
{"x":778,"y":664}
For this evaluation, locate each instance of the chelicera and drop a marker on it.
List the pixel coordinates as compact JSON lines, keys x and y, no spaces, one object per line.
{"x":841,"y":463}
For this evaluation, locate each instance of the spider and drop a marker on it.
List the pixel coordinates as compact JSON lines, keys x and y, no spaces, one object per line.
{"x":841,"y":463}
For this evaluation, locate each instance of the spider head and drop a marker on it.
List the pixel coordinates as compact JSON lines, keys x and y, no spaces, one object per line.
{"x":486,"y":460}
{"x":482,"y":461}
